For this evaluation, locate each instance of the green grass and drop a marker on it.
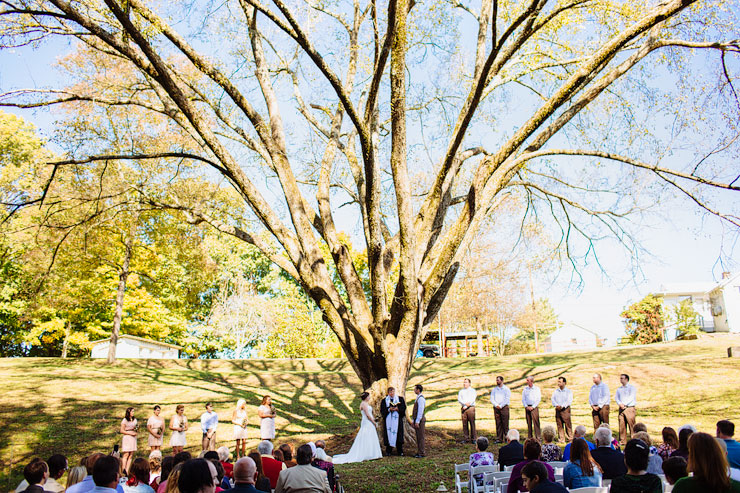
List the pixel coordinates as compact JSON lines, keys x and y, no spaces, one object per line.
{"x":75,"y":406}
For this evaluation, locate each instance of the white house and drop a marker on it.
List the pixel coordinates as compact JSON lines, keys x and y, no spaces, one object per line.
{"x":717,"y":303}
{"x":571,"y":337}
{"x":135,"y":347}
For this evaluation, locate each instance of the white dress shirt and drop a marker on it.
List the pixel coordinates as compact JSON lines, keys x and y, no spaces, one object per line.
{"x":562,"y":398}
{"x":627,"y":395}
{"x":500,"y":396}
{"x":531,"y":396}
{"x":208,"y":421}
{"x":421,"y":403}
{"x":599,"y":395}
{"x":466,"y":397}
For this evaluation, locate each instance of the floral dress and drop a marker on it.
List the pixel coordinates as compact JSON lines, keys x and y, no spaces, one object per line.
{"x":551,"y":452}
{"x":481,"y":459}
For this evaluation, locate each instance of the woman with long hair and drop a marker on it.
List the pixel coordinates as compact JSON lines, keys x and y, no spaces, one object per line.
{"x":683,"y":444}
{"x":670,"y":443}
{"x":239,"y":420}
{"x":75,"y":475}
{"x":263,"y":482}
{"x":709,"y":464}
{"x":138,"y":478}
{"x":178,"y":425}
{"x":582,"y":471}
{"x":267,"y":415}
{"x":129,"y":430}
{"x":155,"y":427}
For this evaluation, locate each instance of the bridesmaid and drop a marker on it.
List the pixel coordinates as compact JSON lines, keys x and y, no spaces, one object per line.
{"x":155,"y":427}
{"x":178,"y":425}
{"x":267,"y":416}
{"x":239,"y":419}
{"x":129,"y":430}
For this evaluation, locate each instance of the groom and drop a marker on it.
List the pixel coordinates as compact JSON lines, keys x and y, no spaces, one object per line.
{"x":393,"y":410}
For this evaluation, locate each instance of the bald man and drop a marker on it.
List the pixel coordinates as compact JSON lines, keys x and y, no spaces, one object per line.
{"x":245,"y":475}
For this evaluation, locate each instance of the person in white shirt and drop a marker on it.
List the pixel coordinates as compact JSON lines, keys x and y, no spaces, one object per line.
{"x":562,"y":399}
{"x":500,"y":398}
{"x":208,"y":425}
{"x":466,"y":398}
{"x":626,"y":399}
{"x":57,"y":464}
{"x":531,"y":398}
{"x":599,"y":398}
{"x":420,"y":421}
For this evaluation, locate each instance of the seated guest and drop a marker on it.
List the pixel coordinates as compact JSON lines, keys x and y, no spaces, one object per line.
{"x":320,"y":462}
{"x":138,"y":477}
{"x":223,"y":481}
{"x":262,"y":483}
{"x":197,"y":476}
{"x":610,"y":460}
{"x":270,"y":466}
{"x":223,"y":457}
{"x":277,"y":454}
{"x":36,"y":473}
{"x":734,"y":472}
{"x":167,"y":465}
{"x":532,"y":451}
{"x":75,"y":475}
{"x":655,"y":461}
{"x":683,"y":443}
{"x":725,"y":431}
{"x":287,"y":455}
{"x":245,"y":476}
{"x":709,"y":465}
{"x":481,"y":457}
{"x":512,"y":453}
{"x":105,"y":474}
{"x":578,"y":433}
{"x":582,"y":471}
{"x":88,"y":483}
{"x":535,"y":477}
{"x":322,"y":445}
{"x":670,"y":443}
{"x":637,"y":479}
{"x":674,"y":468}
{"x":550,"y":451}
{"x":615,"y":442}
{"x":179,"y":458}
{"x":57,"y":465}
{"x":303,"y":478}
{"x":155,"y":468}
{"x":172,"y":479}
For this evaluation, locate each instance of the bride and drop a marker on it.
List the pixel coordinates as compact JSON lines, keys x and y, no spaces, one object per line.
{"x":366,"y":445}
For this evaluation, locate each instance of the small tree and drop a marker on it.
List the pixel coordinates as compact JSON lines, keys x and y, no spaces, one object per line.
{"x":644,"y":320}
{"x":685,"y":318}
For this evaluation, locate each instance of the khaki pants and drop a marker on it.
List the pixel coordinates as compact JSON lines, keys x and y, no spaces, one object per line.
{"x":533,"y":421}
{"x":626,"y":418}
{"x":600,"y":416}
{"x":502,"y":422}
{"x":420,"y":439}
{"x":468,"y":424}
{"x":209,"y":443}
{"x":565,"y":428}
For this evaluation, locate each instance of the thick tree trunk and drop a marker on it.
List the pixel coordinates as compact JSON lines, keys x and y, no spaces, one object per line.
{"x":65,"y":344}
{"x":122,"y":278}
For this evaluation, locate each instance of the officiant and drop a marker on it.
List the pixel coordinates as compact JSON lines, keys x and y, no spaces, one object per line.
{"x":393,"y":410}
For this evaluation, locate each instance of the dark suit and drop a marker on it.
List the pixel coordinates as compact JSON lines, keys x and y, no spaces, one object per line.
{"x":511,"y":454}
{"x":611,"y":462}
{"x":243,"y":488}
{"x":401,"y":419}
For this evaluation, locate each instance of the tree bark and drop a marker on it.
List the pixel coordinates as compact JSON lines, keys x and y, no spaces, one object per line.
{"x":122,"y":278}
{"x":65,"y":344}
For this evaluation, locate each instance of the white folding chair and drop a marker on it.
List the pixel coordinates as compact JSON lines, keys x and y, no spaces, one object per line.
{"x":590,"y":489}
{"x":667,"y":488}
{"x":459,"y":482}
{"x":606,"y":482}
{"x":559,"y":478}
{"x":508,"y":468}
{"x":482,"y":470}
{"x":498,"y":478}
{"x":504,"y":485}
{"x":558,"y":464}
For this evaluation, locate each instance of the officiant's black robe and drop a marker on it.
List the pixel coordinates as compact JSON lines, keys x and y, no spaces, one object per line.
{"x":401,"y":420}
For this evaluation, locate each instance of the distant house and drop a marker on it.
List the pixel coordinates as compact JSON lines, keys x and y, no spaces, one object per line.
{"x":717,"y":303}
{"x":571,"y":337}
{"x":136,"y":348}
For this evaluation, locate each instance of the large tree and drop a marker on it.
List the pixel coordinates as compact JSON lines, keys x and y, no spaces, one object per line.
{"x":548,"y":99}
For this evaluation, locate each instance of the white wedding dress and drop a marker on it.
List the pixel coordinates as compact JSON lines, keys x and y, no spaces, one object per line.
{"x":366,"y":445}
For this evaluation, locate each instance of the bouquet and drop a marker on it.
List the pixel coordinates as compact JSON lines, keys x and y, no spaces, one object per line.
{"x":244,"y":423}
{"x":273,"y":411}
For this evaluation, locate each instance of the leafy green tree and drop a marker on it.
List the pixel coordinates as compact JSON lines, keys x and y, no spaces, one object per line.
{"x":644,"y":320}
{"x":539,"y":316}
{"x":686,"y":318}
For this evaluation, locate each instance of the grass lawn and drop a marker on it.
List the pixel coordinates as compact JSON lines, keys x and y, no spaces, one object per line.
{"x":75,"y":407}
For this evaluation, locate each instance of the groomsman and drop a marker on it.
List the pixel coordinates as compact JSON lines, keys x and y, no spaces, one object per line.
{"x":599,"y":398}
{"x":466,"y":398}
{"x":626,"y":399}
{"x":562,"y":399}
{"x":420,"y":421}
{"x":531,"y":398}
{"x":500,"y":398}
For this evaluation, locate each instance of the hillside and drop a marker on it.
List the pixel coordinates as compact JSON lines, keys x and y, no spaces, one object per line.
{"x":75,"y":406}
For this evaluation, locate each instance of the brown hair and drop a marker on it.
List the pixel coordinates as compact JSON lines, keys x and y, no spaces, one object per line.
{"x":287,"y":451}
{"x":669,"y":437}
{"x":173,"y":479}
{"x":579,"y":451}
{"x":264,"y":399}
{"x":35,"y":470}
{"x":179,"y":406}
{"x":257,"y":458}
{"x":532,"y":449}
{"x":708,"y":462}
{"x":138,"y":472}
{"x":278,"y":455}
{"x":90,"y":461}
